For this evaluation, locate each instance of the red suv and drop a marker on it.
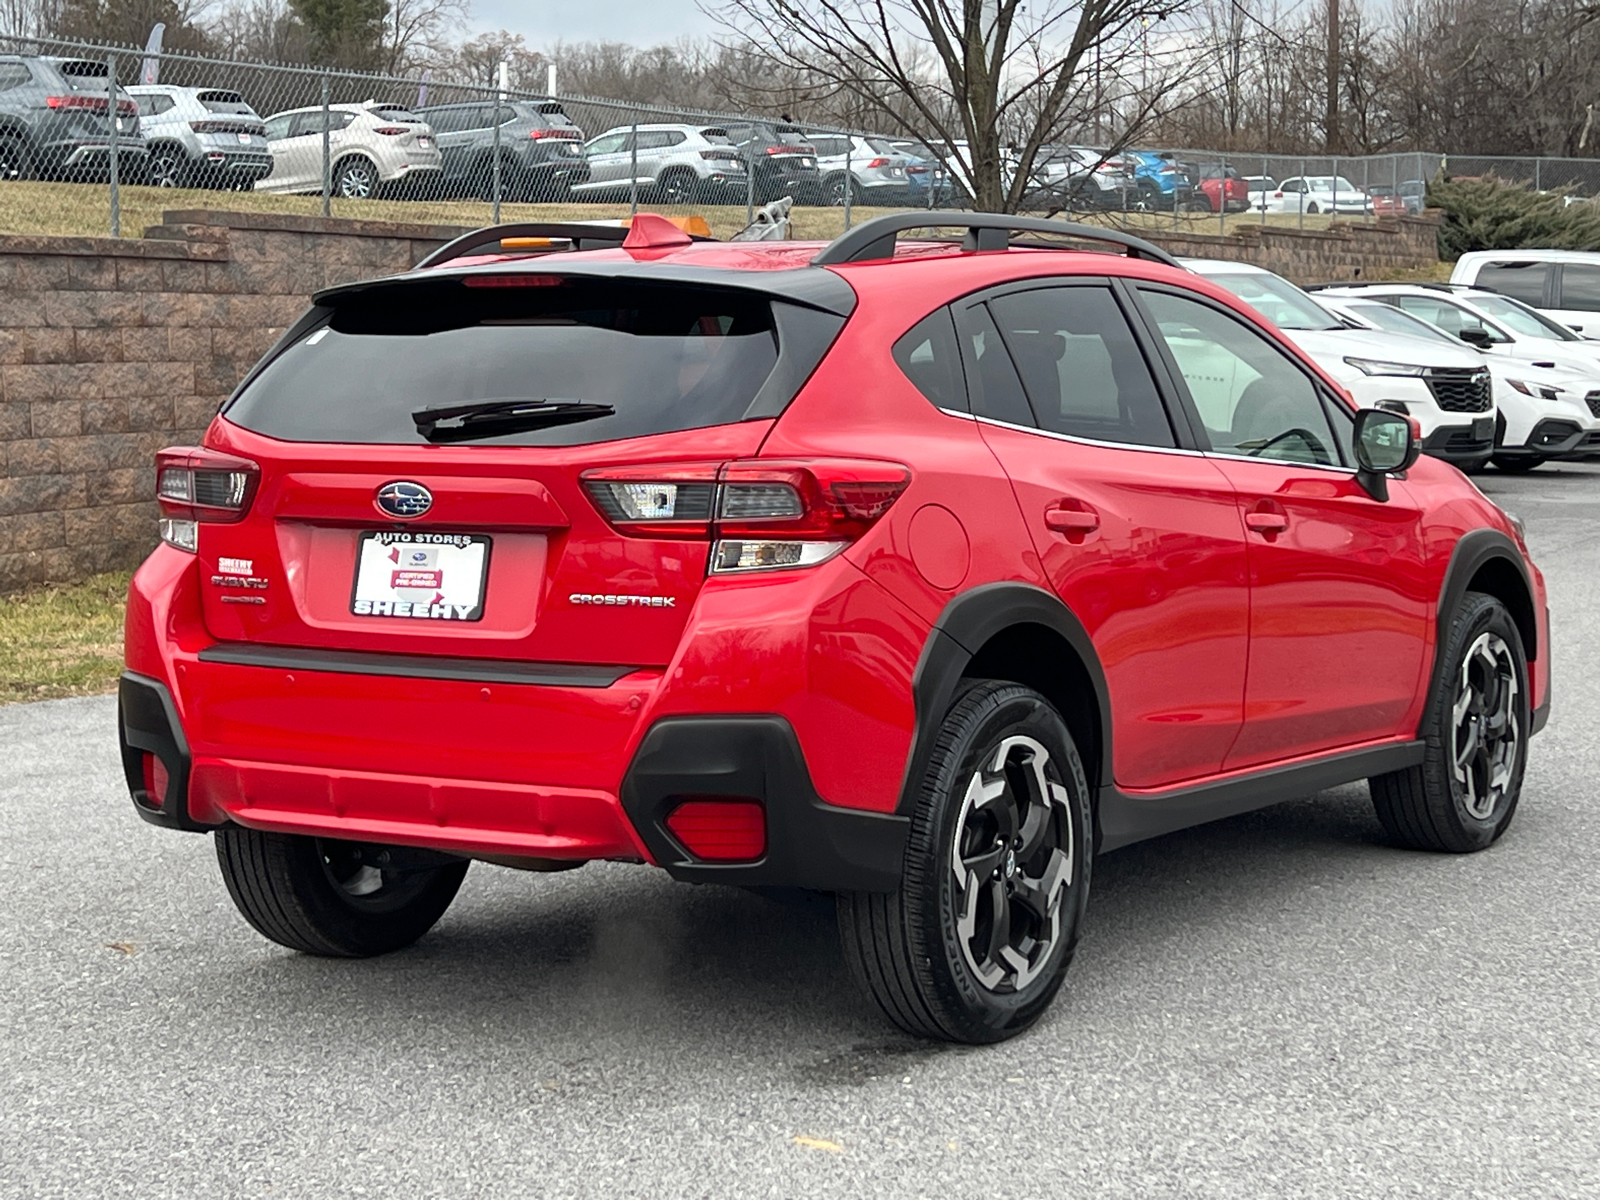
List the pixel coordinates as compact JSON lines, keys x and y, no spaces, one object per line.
{"x":918,"y":572}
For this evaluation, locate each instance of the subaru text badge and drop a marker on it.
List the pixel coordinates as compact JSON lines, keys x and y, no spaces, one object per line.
{"x":403,"y":499}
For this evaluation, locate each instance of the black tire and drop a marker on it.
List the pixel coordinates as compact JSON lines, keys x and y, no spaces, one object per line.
{"x":913,"y":950}
{"x":355,"y":178}
{"x":1517,"y":464}
{"x":304,"y":893}
{"x":836,"y":187}
{"x":678,"y":186}
{"x":16,"y":164}
{"x":1478,"y":716}
{"x":1312,"y":208}
{"x":168,"y":166}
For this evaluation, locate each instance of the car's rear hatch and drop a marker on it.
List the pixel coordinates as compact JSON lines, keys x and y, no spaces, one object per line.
{"x":486,"y":534}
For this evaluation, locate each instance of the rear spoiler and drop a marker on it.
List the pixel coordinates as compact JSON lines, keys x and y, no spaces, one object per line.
{"x":547,"y":237}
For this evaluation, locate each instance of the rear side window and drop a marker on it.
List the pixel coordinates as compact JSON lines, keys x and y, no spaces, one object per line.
{"x":1080,"y":365}
{"x":991,"y":379}
{"x":1523,"y":280}
{"x":665,"y":357}
{"x":13,"y":75}
{"x":930,"y":356}
{"x":1580,"y":288}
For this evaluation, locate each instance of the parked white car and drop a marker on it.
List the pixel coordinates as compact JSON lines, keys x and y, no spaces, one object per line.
{"x":876,"y":168}
{"x":1262,"y":188}
{"x":1506,"y":329}
{"x":1526,"y":394}
{"x":1562,"y":284}
{"x":1448,"y":390}
{"x":1319,"y":194}
{"x":371,"y":146}
{"x":201,"y":137}
{"x":669,"y":164}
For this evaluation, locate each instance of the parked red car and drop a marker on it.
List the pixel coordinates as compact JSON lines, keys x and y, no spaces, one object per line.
{"x":918,"y":572}
{"x":1223,"y":185}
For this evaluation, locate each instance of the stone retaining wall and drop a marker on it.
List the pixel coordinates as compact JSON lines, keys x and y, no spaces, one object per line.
{"x":111,"y":349}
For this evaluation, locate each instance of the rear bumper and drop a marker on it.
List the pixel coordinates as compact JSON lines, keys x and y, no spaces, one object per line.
{"x":552,"y":761}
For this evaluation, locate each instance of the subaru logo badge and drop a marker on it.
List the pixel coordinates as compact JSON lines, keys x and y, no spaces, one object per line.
{"x":404,"y":499}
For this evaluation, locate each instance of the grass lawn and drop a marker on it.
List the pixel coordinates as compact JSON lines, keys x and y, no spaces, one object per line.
{"x":62,"y":640}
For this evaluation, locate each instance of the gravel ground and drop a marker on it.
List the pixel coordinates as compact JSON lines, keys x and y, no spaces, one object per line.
{"x":1275,"y":1005}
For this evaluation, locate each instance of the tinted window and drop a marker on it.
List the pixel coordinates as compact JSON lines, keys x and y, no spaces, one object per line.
{"x":1252,"y":399}
{"x":1525,"y":281}
{"x":392,"y":112}
{"x":931,"y":358}
{"x":992,"y":381}
{"x":278,"y":127}
{"x":13,"y":75}
{"x":666,"y":357}
{"x":1580,"y":288}
{"x":1080,"y":366}
{"x":658,"y":139}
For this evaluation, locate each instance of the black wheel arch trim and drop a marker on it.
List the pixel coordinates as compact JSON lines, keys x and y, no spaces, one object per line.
{"x":1475,"y":550}
{"x":968,"y":622}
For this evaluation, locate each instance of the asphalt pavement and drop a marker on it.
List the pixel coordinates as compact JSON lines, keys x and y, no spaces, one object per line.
{"x":1275,"y":1005}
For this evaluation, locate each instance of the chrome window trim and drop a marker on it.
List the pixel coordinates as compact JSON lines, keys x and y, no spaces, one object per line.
{"x":1336,"y":468}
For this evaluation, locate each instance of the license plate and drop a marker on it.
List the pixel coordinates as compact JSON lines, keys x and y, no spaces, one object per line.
{"x":424,"y":141}
{"x":244,"y":139}
{"x":417,"y":576}
{"x":1482,"y":429}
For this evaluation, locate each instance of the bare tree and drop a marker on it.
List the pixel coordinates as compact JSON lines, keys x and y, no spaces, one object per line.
{"x":417,"y":31}
{"x":1005,"y":78}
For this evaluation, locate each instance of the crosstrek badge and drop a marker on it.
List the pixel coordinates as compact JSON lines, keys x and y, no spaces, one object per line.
{"x":415,"y":575}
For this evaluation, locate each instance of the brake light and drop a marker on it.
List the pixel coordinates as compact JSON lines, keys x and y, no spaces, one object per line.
{"x":787,"y":150}
{"x":195,"y":485}
{"x":228,"y":127}
{"x":540,"y":135}
{"x":391,"y":130}
{"x":126,"y":108}
{"x":759,"y":514}
{"x":878,"y":162}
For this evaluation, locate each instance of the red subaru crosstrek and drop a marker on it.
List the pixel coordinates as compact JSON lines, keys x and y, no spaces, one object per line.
{"x":915,"y":571}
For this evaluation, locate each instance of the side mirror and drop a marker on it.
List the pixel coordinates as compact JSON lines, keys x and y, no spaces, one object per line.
{"x":1385,"y":444}
{"x":1481,"y":338}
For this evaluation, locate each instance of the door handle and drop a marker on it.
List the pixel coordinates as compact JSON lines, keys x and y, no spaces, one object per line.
{"x":1071,"y":520}
{"x":1266,"y":522}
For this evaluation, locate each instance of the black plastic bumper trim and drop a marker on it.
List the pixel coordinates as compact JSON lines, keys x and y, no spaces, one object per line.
{"x":147,"y":723}
{"x":414,"y":666}
{"x":810,"y":844}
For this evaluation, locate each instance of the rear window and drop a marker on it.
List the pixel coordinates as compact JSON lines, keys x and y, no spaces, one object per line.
{"x":393,"y":112}
{"x":666,"y":357}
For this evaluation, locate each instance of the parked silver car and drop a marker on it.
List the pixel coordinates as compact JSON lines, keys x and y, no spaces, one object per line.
{"x":672,"y":164}
{"x":202,"y":137}
{"x":876,"y":168}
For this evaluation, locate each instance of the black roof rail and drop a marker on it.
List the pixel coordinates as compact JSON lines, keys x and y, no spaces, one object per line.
{"x":875,"y":239}
{"x":582,"y":237}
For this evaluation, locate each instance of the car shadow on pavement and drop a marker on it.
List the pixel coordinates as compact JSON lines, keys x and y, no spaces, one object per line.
{"x":585,"y":958}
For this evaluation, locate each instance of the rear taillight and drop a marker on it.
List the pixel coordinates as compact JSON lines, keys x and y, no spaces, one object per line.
{"x":391,"y":130}
{"x":197,"y":486}
{"x":759,"y":515}
{"x":721,"y":830}
{"x":125,"y":108}
{"x":230,"y":127}
{"x":788,"y":150}
{"x":540,"y":135}
{"x":878,"y":162}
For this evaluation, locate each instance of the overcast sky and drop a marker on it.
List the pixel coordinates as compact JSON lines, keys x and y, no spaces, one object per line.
{"x":544,"y":22}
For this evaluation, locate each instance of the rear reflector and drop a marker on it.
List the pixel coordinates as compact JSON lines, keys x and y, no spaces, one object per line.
{"x":155,"y":781}
{"x":721,"y":830}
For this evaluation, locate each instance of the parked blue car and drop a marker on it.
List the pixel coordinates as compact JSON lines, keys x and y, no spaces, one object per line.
{"x":1161,"y":179}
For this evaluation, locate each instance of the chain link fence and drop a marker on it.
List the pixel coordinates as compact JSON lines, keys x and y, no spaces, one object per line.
{"x":322,"y":141}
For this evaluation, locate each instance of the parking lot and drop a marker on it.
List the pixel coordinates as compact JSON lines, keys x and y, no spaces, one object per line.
{"x":1277,"y":1004}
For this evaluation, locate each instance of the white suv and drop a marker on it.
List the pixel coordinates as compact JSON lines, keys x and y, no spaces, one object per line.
{"x":877,"y":170}
{"x":671,"y":164}
{"x":1563,"y":284}
{"x":370,"y":146}
{"x":1508,"y":330}
{"x":1449,"y":391}
{"x":1526,"y":394}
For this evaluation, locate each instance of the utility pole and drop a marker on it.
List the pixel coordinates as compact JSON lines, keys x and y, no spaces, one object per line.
{"x":1331,"y":120}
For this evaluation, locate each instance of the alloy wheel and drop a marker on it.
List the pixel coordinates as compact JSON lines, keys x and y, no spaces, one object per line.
{"x":356,"y":181}
{"x":165,"y":170}
{"x":1485,"y":736}
{"x":1012,"y":861}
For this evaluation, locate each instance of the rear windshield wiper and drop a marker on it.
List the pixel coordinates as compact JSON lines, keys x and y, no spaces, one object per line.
{"x":491,"y":418}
